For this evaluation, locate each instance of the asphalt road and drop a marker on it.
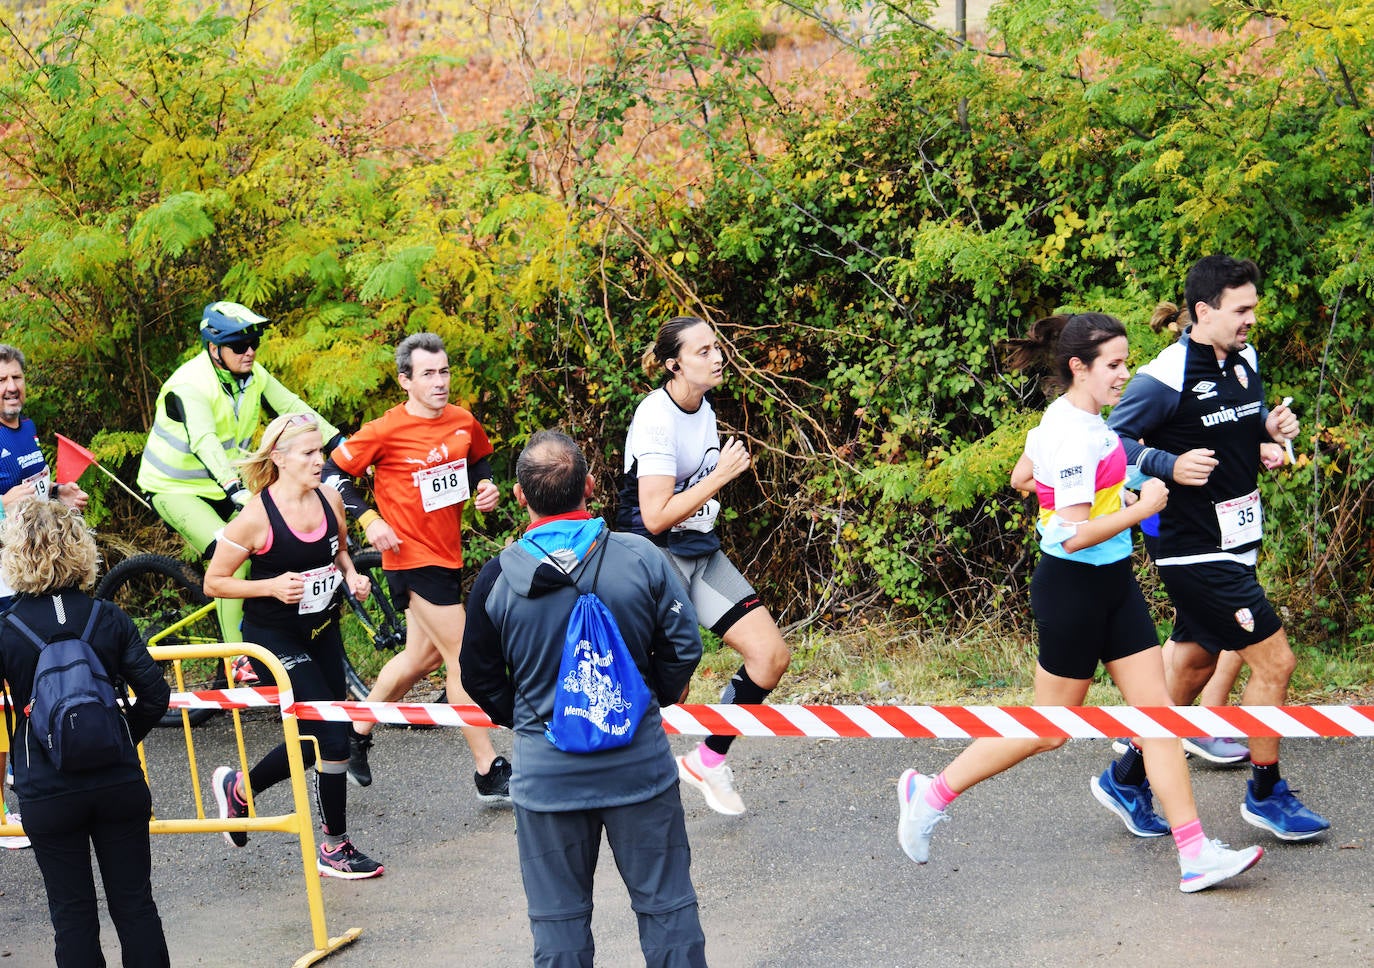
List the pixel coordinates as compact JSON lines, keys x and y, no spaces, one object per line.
{"x":1028,"y":871}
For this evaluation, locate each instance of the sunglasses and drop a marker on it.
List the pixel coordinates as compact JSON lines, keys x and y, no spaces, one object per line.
{"x":241,"y":346}
{"x":295,"y":420}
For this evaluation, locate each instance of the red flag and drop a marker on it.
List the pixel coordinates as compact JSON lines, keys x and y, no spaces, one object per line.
{"x":72,"y":460}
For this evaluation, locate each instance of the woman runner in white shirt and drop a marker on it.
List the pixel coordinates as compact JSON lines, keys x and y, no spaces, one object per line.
{"x":675,"y":466}
{"x":1088,"y":608}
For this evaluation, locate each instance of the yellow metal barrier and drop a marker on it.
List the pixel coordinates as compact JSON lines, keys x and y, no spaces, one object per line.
{"x":297,"y":822}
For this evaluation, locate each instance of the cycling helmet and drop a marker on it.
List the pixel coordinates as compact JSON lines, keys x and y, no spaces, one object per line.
{"x":224,"y":322}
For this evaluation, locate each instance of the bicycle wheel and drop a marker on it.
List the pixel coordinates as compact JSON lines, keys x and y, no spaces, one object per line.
{"x":373,"y":629}
{"x":156,"y":591}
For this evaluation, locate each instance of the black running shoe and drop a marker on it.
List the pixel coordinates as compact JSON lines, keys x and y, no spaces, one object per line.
{"x":346,"y":861}
{"x":494,"y":785}
{"x":358,"y":770}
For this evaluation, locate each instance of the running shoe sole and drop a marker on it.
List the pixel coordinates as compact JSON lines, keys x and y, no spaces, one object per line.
{"x":685,"y":774}
{"x":1102,"y":797}
{"x":1200,"y":882}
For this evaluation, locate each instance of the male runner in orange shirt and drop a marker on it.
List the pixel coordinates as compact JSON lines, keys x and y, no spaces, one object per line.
{"x":428,"y":457}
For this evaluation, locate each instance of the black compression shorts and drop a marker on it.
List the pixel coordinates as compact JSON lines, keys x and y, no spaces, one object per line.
{"x":1086,"y":614}
{"x":434,"y":583}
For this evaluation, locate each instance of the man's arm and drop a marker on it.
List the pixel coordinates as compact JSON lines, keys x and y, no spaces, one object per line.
{"x":676,"y":647}
{"x":481,"y":662}
{"x":280,"y":400}
{"x":197,"y":415}
{"x":378,"y":533}
{"x":1146,"y":404}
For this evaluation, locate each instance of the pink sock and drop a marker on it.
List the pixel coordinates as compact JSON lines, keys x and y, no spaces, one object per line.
{"x":938,"y":794}
{"x":709,"y":757}
{"x":1189,"y":839}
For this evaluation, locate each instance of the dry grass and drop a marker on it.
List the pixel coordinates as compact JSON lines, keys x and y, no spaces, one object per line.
{"x":896,"y":662}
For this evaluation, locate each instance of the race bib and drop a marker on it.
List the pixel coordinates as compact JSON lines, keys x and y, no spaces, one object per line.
{"x":443,"y":485}
{"x":704,"y":519}
{"x":320,"y":584}
{"x":42,"y":484}
{"x":1241,"y":520}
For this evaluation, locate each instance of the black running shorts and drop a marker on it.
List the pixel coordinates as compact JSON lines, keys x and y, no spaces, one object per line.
{"x":434,"y":583}
{"x":1219,"y":605}
{"x":1086,"y":614}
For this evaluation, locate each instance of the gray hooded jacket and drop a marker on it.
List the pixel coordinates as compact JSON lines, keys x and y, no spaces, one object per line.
{"x":517,"y":616}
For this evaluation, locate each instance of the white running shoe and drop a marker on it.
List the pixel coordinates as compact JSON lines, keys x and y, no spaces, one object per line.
{"x":1216,"y":749}
{"x":716,"y":784}
{"x":1215,"y":864}
{"x":918,"y":818}
{"x":13,"y":843}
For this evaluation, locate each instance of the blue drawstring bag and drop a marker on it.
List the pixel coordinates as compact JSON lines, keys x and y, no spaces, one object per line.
{"x":601,"y":695}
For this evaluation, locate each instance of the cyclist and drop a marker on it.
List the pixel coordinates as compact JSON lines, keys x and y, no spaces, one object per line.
{"x":428,"y":457}
{"x":207,"y":414}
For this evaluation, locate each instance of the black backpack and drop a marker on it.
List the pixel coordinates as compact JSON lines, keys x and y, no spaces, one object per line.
{"x":73,"y":705}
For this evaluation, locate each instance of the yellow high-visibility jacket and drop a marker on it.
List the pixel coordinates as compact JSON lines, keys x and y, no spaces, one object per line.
{"x":205,"y":421}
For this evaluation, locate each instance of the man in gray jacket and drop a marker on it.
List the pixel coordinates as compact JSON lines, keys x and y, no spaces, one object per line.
{"x":517,"y":616}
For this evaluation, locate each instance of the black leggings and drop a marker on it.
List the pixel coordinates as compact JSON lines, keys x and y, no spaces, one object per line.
{"x":316,"y":668}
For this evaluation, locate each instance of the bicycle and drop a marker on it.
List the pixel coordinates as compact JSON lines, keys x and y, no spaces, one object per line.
{"x":165,"y":598}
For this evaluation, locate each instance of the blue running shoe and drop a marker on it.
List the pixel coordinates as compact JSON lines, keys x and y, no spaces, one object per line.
{"x":1135,"y":805}
{"x":1282,"y":814}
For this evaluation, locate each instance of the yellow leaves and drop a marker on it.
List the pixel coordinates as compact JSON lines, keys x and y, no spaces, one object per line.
{"x":1168,"y":162}
{"x":1066,"y":223}
{"x":1259,"y":170}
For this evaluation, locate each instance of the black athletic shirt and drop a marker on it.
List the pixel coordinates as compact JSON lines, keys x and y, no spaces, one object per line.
{"x":1184,"y":399}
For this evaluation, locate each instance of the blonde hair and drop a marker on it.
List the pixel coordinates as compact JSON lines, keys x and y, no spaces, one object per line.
{"x":257,"y":470}
{"x":47,"y":547}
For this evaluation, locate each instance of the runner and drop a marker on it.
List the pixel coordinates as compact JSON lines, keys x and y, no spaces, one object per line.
{"x":24,"y":474}
{"x":293,"y":535}
{"x":675,"y":467}
{"x":1088,"y":608}
{"x":207,"y":414}
{"x":1199,"y":408}
{"x":1221,"y":750}
{"x":428,"y":457}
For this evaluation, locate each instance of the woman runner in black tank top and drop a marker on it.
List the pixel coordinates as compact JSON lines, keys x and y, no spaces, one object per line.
{"x":296,"y":542}
{"x":310,"y":555}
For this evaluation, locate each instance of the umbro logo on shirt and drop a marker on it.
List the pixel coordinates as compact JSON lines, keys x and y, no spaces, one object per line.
{"x":4,"y":452}
{"x":1205,"y":389}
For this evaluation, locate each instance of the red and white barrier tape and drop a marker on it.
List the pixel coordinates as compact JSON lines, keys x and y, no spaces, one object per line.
{"x":892,"y":722}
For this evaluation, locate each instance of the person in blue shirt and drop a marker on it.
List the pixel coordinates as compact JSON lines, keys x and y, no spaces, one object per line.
{"x":24,"y":474}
